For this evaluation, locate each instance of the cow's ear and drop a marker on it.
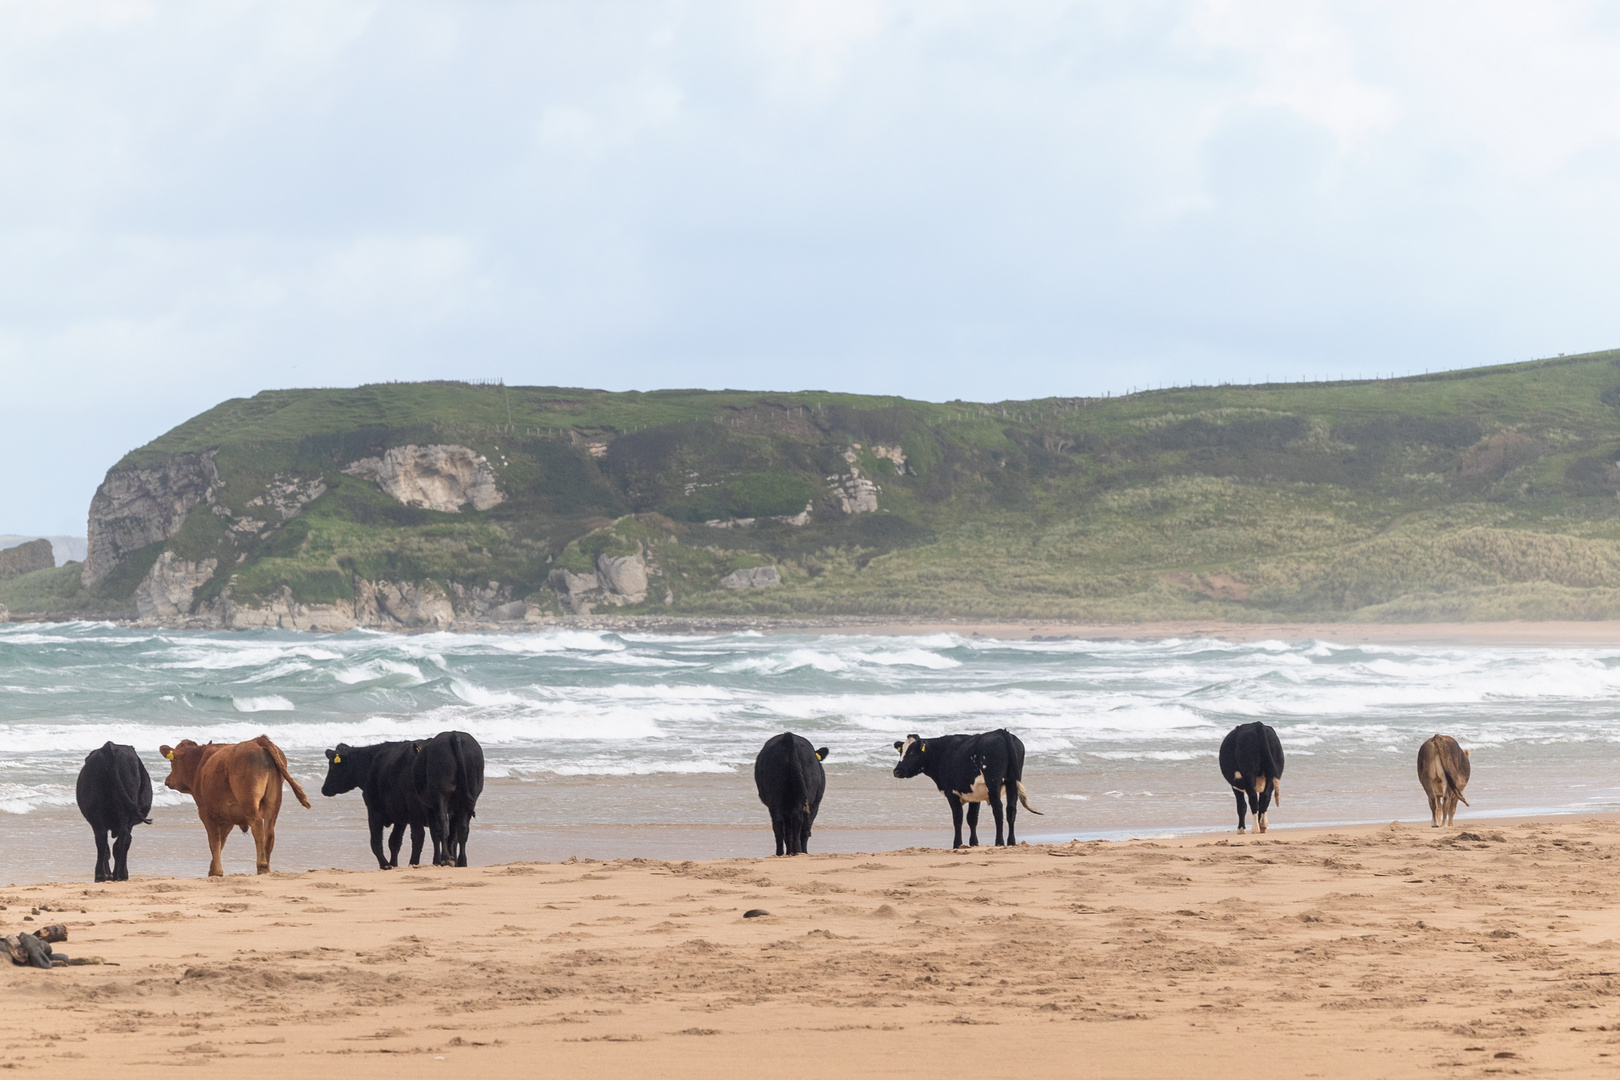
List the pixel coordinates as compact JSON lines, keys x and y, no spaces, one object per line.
{"x":898,"y":744}
{"x":1468,"y":753}
{"x":167,"y":751}
{"x":821,"y":755}
{"x":331,"y":755}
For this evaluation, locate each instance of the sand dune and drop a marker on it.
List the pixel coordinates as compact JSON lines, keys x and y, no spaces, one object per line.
{"x":1396,"y":951}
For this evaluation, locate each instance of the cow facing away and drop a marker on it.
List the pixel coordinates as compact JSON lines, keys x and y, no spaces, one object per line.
{"x":114,"y":795}
{"x":383,"y":775}
{"x":235,"y":785}
{"x":1443,"y":770}
{"x":971,"y":769}
{"x":448,"y":775}
{"x":791,"y":782}
{"x":1252,"y":762}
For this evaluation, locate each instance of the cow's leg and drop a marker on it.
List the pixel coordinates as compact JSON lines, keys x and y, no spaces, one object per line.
{"x":1262,"y":804}
{"x":216,"y":847}
{"x":263,"y":833}
{"x":439,"y":826}
{"x":1243,"y":808}
{"x":120,"y":851}
{"x":995,"y":809}
{"x":462,"y":827}
{"x":395,"y":839}
{"x":376,"y":824}
{"x":779,"y":827}
{"x":103,"y":855}
{"x":1451,"y":805}
{"x":973,"y":824}
{"x":417,"y":832}
{"x":1012,"y":811}
{"x":1437,"y":810}
{"x":799,"y":832}
{"x":956,"y":819}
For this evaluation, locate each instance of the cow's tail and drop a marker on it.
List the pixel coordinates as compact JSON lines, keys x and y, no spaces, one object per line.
{"x":132,"y":795}
{"x":1451,"y":781}
{"x":1273,"y":772}
{"x":461,"y":771}
{"x":1023,"y":799}
{"x":281,"y":767}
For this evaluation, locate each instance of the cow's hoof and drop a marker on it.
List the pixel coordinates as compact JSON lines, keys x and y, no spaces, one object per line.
{"x":1241,"y":829}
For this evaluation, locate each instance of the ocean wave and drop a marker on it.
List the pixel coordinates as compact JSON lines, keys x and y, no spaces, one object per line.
{"x":263,"y":703}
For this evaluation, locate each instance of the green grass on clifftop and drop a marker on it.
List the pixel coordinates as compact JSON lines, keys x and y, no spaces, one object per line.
{"x":1480,"y":494}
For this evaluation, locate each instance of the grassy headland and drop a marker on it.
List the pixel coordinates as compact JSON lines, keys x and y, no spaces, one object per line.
{"x":1482,"y":494}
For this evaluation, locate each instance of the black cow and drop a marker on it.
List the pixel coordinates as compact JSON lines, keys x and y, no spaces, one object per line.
{"x":448,"y":775}
{"x":114,"y":795}
{"x":383,"y":775}
{"x":791,"y":782}
{"x":1252,"y":762}
{"x":970,"y":769}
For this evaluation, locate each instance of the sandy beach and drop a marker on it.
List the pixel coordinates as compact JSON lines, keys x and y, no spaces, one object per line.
{"x":1398,"y":950}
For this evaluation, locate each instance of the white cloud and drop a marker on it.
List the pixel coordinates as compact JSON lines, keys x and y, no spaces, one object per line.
{"x":936,"y":198}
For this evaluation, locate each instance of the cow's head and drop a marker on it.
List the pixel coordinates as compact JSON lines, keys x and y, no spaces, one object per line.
{"x":183,"y":762}
{"x":911,"y":756}
{"x":342,"y":773}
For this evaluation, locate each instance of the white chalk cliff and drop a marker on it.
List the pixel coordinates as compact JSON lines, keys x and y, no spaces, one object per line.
{"x":443,"y":478}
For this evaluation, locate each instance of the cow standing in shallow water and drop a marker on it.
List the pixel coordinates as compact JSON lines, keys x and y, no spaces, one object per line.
{"x":1252,"y":762}
{"x":114,"y":794}
{"x":448,"y":775}
{"x":235,"y":785}
{"x":791,"y":782}
{"x":383,"y":775}
{"x":1443,"y":770}
{"x":971,"y":769}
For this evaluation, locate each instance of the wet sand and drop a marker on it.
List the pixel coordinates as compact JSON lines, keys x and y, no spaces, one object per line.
{"x":1492,"y":948}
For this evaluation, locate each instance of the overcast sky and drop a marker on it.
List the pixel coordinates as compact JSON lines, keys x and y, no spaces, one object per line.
{"x":934,"y":198}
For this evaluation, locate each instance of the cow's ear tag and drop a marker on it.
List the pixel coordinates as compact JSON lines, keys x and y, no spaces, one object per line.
{"x":922,"y":748}
{"x":337,"y":760}
{"x":170,"y":755}
{"x":819,"y":757}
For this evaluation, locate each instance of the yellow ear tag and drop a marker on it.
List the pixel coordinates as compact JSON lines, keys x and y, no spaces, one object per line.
{"x":170,"y":755}
{"x":922,"y":748}
{"x":819,"y":758}
{"x":336,"y":760}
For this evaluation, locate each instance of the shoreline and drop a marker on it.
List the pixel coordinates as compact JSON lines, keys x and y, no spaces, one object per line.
{"x":1597,"y":632}
{"x":1364,"y":951}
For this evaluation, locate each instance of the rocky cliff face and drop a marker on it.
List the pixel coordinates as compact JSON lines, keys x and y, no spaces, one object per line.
{"x":620,"y":580}
{"x":26,"y":558}
{"x":137,"y":507}
{"x":168,"y":587}
{"x":443,"y":478}
{"x":755,"y":577}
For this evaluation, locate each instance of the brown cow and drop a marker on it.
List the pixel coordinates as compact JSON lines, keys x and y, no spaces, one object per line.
{"x":1443,"y":769}
{"x":233,"y":784}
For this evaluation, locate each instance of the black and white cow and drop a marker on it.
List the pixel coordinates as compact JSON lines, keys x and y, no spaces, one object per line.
{"x":448,"y":775}
{"x":1252,"y":762}
{"x":114,"y":795}
{"x":382,"y":772}
{"x":791,"y":782}
{"x":970,"y":769}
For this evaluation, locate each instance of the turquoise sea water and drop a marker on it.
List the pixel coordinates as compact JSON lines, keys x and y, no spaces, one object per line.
{"x":620,"y":745}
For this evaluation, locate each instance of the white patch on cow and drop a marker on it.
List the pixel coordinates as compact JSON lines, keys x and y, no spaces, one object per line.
{"x":1260,"y":785}
{"x":1260,"y":819}
{"x":980,"y":792}
{"x":905,"y":748}
{"x":1236,"y":775}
